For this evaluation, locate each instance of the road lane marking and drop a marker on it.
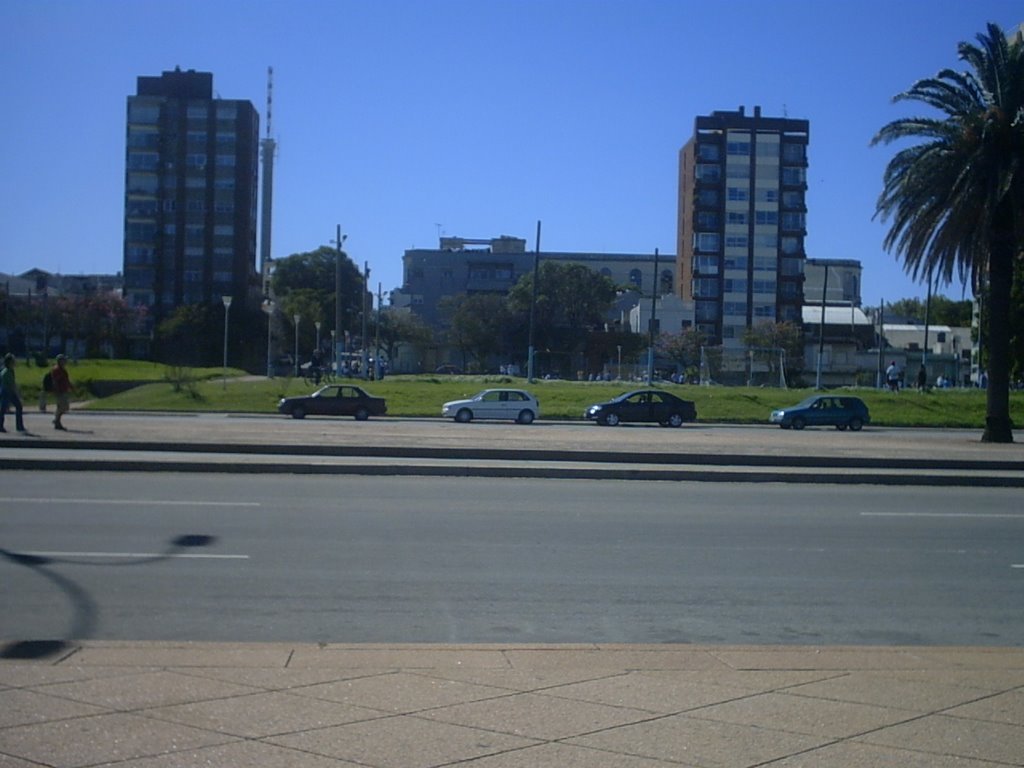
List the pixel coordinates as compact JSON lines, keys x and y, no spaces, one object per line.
{"x":138,"y":555}
{"x":1010,"y":515}
{"x":133,"y":502}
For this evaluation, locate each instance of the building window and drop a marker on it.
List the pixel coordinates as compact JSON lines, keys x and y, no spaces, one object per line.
{"x":226,"y":161}
{"x":767,"y":195}
{"x":766,"y":217}
{"x":793,"y":221}
{"x":706,"y":312}
{"x":765,"y":286}
{"x":707,"y":219}
{"x":737,"y":171}
{"x":792,"y":200}
{"x":705,"y":287}
{"x":227,"y":111}
{"x":794,"y":153}
{"x":708,"y":172}
{"x":635,"y":277}
{"x":196,"y":160}
{"x":736,"y":217}
{"x":707,"y":242}
{"x":733,"y":285}
{"x":792,"y":267}
{"x":737,"y":148}
{"x":706,"y":265}
{"x":765,"y":263}
{"x":734,"y":309}
{"x":794,"y":175}
{"x":707,"y":198}
{"x":736,"y":262}
{"x":196,"y":112}
{"x":738,"y":194}
{"x":707,"y":152}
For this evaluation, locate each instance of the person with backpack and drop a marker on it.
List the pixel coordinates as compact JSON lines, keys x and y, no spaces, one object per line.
{"x":10,"y":394}
{"x":61,"y":383}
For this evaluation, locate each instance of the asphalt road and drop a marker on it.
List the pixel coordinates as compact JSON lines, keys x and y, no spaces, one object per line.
{"x":167,"y":556}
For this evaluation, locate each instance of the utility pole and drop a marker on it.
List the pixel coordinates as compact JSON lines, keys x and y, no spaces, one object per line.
{"x":366,"y":292}
{"x":821,"y":329}
{"x":533,"y":306}
{"x":339,"y":338}
{"x":653,"y":324}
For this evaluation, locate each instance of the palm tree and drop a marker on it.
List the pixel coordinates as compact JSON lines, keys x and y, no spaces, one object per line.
{"x":956,"y":199}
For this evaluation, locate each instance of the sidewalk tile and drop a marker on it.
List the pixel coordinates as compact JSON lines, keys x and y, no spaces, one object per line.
{"x":396,"y":658}
{"x":821,"y":659}
{"x":401,"y":692}
{"x":146,"y":689}
{"x":939,"y":734}
{"x":537,"y":716}
{"x":814,"y":717}
{"x":879,"y":689}
{"x":621,"y":658}
{"x":242,"y":753}
{"x":567,"y":756}
{"x":1002,"y":708}
{"x":402,"y":742}
{"x":182,"y":656}
{"x":22,"y":707}
{"x":262,"y":714}
{"x":658,"y":692}
{"x":704,"y":743}
{"x":852,"y":755}
{"x":101,"y":739}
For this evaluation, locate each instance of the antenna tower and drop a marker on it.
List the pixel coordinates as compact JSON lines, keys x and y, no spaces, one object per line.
{"x":269,"y":147}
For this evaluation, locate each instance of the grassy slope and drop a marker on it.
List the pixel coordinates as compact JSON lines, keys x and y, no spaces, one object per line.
{"x":423,"y":396}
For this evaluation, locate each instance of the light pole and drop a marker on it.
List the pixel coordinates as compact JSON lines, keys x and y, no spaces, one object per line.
{"x":296,"y":319}
{"x":317,"y":324}
{"x":227,"y":305}
{"x":268,"y":307}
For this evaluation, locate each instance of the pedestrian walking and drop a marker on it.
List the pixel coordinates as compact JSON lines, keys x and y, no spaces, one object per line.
{"x":62,"y":390}
{"x":10,"y":395}
{"x":892,"y":376}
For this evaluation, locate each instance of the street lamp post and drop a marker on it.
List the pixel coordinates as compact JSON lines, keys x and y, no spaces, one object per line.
{"x":296,"y":319}
{"x":268,"y":308}
{"x":317,"y":324}
{"x":227,"y":305}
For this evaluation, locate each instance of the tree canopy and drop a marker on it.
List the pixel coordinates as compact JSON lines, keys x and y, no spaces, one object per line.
{"x":955,"y":197}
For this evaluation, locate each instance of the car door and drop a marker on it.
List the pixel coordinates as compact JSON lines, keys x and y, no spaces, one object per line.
{"x":635,"y":408}
{"x":489,"y":406}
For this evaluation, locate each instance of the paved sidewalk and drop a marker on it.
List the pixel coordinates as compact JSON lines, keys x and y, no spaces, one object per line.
{"x":222,"y":442}
{"x":178,"y":705}
{"x":164,"y":705}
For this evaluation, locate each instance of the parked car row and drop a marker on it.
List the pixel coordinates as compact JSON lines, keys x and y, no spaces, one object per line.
{"x":643,"y":405}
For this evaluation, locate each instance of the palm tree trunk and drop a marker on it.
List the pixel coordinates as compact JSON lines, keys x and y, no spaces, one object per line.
{"x":998,"y":428}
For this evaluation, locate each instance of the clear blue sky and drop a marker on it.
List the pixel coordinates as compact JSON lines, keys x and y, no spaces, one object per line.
{"x":403,"y":119}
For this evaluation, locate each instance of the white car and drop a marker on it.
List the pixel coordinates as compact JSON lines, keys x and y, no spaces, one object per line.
{"x":514,"y":404}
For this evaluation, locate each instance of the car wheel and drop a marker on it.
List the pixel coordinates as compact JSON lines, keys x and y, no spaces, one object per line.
{"x":298,"y":412}
{"x":799,"y":422}
{"x":856,"y":424}
{"x":525,"y":417}
{"x":675,"y":420}
{"x":611,"y":420}
{"x":464,"y":416}
{"x":362,"y":414}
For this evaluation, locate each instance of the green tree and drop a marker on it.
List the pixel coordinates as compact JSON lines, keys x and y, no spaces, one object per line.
{"x":304,"y":284}
{"x":956,"y":198}
{"x":944,"y":311}
{"x":190,"y":335}
{"x":765,"y":339}
{"x":682,"y":348}
{"x":399,"y":326}
{"x":571,"y":300}
{"x":477,"y":323}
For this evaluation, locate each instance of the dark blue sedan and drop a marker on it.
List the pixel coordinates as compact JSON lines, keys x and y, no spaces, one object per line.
{"x":839,"y":411}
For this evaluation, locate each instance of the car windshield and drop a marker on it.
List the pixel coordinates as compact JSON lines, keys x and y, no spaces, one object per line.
{"x":807,"y":403}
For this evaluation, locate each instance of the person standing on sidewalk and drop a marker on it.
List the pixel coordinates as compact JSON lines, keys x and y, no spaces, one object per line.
{"x":9,"y":394}
{"x":62,"y":390}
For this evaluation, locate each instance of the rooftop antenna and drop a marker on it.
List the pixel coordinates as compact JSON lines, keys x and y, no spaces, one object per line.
{"x":269,"y":147}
